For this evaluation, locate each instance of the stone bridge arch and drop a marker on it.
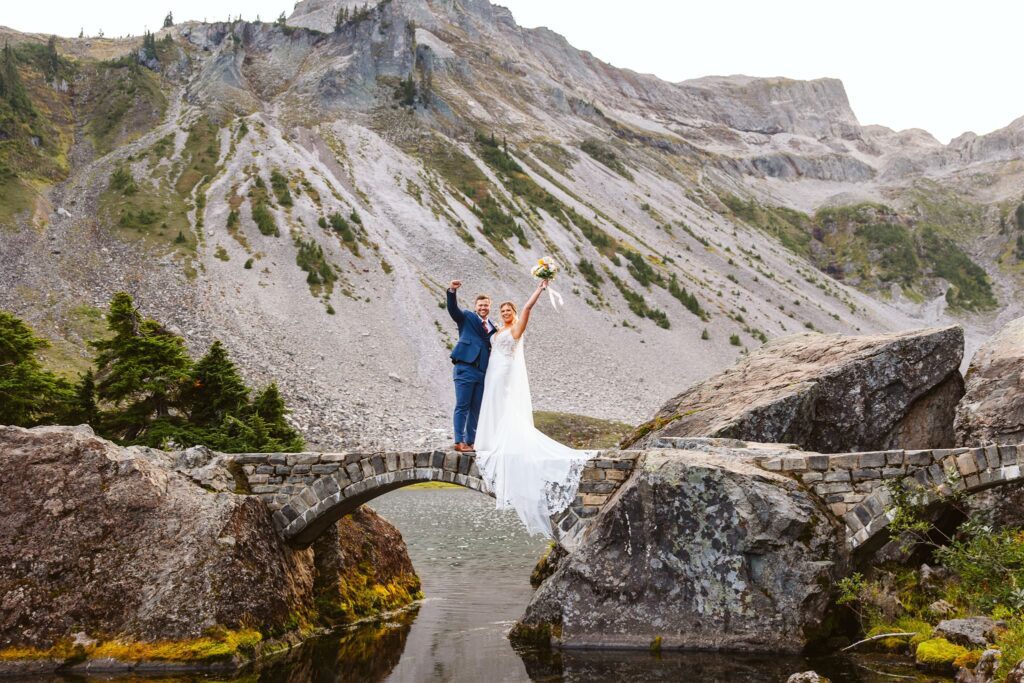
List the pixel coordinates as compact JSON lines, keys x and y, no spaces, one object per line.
{"x":310,"y":491}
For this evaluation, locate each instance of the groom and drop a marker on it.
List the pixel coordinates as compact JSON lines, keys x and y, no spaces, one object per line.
{"x":470,"y":357}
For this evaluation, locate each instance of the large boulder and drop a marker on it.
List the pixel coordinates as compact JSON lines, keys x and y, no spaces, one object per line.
{"x":100,"y":543}
{"x":698,"y":550}
{"x":827,"y":393}
{"x":992,"y":409}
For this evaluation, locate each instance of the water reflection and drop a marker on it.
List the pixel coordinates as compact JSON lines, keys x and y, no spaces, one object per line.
{"x":365,"y":654}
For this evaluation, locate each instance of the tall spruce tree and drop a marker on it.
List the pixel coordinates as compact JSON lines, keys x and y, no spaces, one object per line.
{"x":29,"y":394}
{"x":140,"y":370}
{"x":214,"y":389}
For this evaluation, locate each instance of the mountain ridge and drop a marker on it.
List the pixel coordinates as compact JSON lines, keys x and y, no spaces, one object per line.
{"x":356,"y":171}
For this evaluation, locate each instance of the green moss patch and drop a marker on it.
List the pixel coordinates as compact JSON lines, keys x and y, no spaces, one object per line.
{"x":938,"y":655}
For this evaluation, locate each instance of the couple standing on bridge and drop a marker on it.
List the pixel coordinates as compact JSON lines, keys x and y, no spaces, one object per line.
{"x":523,"y":468}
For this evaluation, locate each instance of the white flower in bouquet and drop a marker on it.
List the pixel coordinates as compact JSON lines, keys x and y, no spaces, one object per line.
{"x":546,"y":269}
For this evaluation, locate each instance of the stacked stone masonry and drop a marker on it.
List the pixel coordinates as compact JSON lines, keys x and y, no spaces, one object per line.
{"x":853,"y":485}
{"x":308,"y":491}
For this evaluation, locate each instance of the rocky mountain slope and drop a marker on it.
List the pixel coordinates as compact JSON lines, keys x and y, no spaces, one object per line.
{"x":304,"y":190}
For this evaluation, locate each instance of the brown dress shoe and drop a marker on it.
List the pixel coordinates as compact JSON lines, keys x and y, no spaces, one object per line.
{"x":470,"y":448}
{"x":464,"y":448}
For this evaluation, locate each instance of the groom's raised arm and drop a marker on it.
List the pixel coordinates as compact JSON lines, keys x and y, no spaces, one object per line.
{"x":453,"y":304}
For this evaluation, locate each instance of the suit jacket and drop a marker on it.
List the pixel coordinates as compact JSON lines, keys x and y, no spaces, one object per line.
{"x":474,"y":344}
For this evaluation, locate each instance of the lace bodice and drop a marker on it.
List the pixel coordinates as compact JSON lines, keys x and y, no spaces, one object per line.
{"x":504,"y":343}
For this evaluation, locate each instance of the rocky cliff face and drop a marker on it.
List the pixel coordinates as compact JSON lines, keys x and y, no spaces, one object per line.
{"x":699,"y":550}
{"x":827,"y":393}
{"x":424,"y":140}
{"x":122,"y":548}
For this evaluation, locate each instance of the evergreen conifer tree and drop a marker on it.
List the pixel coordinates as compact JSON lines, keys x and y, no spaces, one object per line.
{"x":83,"y":408}
{"x":169,"y":20}
{"x":140,"y":371}
{"x":29,"y":394}
{"x":214,"y":389}
{"x":269,"y":409}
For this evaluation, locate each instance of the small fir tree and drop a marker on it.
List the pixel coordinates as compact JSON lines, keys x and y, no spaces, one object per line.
{"x":269,"y":407}
{"x":169,"y":20}
{"x":84,"y":409}
{"x":214,"y":389}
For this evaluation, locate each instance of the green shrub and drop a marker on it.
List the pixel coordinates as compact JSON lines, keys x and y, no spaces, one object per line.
{"x":734,"y":339}
{"x":264,"y":219}
{"x":279,"y":183}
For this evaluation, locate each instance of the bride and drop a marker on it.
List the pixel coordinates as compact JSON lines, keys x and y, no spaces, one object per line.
{"x":522,"y":467}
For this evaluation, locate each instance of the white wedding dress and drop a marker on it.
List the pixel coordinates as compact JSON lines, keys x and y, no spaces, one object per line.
{"x":524,"y":468}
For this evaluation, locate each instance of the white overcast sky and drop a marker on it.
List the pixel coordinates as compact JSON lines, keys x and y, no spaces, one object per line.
{"x":947,"y":67}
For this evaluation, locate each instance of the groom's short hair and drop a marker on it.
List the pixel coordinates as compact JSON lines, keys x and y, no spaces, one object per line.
{"x":481,"y":296}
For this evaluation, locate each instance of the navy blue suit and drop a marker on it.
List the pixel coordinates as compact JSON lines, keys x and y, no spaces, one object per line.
{"x":469,"y":357}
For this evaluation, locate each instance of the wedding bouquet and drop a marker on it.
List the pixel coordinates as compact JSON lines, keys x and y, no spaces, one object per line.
{"x":546,"y":269}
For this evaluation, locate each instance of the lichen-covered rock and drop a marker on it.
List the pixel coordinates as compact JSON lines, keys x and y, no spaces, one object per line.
{"x":969,"y":631}
{"x":992,"y":409}
{"x":827,"y":393}
{"x":697,"y":550}
{"x":121,"y":546}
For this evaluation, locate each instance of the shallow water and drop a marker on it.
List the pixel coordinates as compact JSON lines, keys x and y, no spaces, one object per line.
{"x":475,"y":565}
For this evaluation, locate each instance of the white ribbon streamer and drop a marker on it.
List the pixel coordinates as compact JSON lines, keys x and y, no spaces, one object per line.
{"x":552,"y":296}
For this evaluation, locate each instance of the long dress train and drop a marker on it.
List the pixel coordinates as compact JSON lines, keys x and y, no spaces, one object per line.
{"x":524,"y":468}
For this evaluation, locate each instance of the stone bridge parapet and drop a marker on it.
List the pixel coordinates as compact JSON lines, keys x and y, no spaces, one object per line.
{"x":309,"y":491}
{"x":854,"y":485}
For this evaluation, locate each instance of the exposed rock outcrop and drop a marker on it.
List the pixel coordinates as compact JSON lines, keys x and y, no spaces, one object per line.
{"x":992,"y":409}
{"x":698,"y":550}
{"x":124,"y":543}
{"x":827,"y":393}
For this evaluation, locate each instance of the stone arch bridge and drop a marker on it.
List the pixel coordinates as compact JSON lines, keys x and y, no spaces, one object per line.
{"x":310,"y":491}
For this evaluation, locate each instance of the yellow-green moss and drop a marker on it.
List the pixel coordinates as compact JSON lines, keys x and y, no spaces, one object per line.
{"x":968,"y":660}
{"x":922,"y":630}
{"x":222,"y":644}
{"x":218,"y":644}
{"x":938,"y":654}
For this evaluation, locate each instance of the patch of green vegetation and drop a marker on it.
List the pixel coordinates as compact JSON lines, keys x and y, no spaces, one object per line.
{"x":555,"y":156}
{"x":200,"y":156}
{"x":790,"y":227}
{"x":259,"y":202}
{"x":970,"y":288}
{"x":604,"y":154}
{"x":336,"y":222}
{"x":687,"y":299}
{"x":221,"y":253}
{"x":898,"y":253}
{"x":638,"y":304}
{"x":581,"y":431}
{"x":938,"y":655}
{"x":591,"y":275}
{"x":641,"y":270}
{"x":147,"y":212}
{"x":124,"y":100}
{"x":320,"y":275}
{"x":279,"y":183}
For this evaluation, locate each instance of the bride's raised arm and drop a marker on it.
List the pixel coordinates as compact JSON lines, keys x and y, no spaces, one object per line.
{"x":524,"y":317}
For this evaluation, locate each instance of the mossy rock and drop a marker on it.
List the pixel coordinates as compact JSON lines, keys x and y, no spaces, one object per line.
{"x":938,"y":655}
